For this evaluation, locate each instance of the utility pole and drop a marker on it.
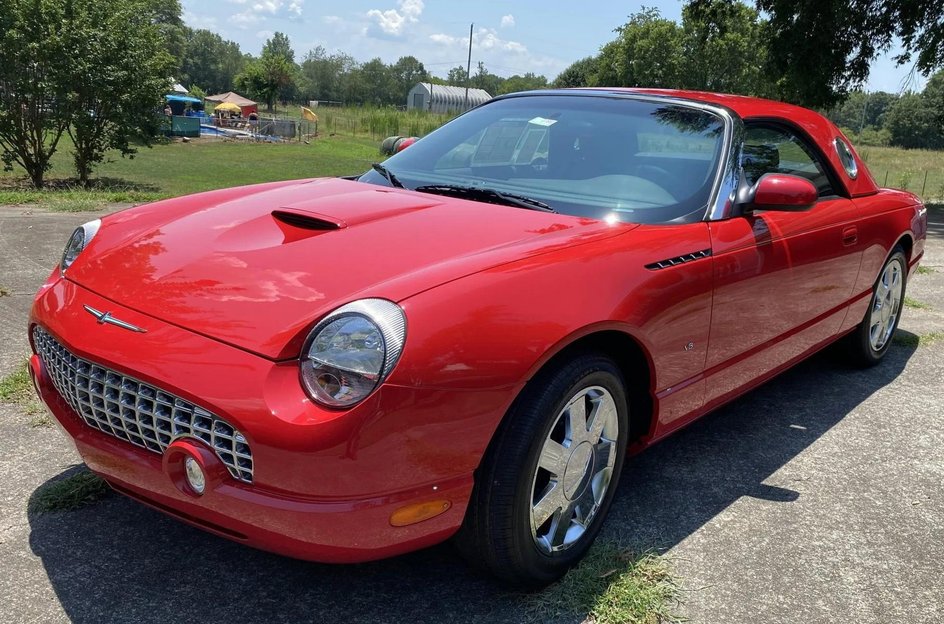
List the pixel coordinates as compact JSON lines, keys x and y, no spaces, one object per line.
{"x":468,"y":68}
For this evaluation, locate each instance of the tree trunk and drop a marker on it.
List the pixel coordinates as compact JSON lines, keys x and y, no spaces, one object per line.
{"x":37,"y":174}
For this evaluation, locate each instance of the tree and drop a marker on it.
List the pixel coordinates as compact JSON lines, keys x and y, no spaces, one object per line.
{"x":822,"y":49}
{"x":912,"y":123}
{"x":165,"y":14}
{"x":648,"y":52}
{"x":118,"y":78}
{"x":484,"y":79}
{"x":579,"y":74}
{"x":35,"y":107}
{"x":279,"y":45}
{"x":860,"y":111}
{"x":272,"y":75}
{"x":404,"y":75}
{"x":456,"y":76}
{"x":322,"y":74}
{"x":724,"y":49}
{"x":210,"y":61}
{"x":377,"y":83}
{"x":265,"y":77}
{"x":530,"y":81}
{"x":934,"y":98}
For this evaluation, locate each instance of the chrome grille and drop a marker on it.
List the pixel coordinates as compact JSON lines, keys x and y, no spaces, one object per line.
{"x":132,"y":410}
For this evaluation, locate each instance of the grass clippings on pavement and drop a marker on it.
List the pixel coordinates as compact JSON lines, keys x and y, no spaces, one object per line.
{"x":4,"y":292}
{"x":907,"y":339}
{"x":925,"y":270}
{"x":17,"y":388}
{"x":612,"y":585}
{"x":916,"y":305}
{"x":73,"y":492}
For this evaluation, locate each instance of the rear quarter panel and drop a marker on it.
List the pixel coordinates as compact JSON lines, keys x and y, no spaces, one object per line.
{"x":886,"y":218}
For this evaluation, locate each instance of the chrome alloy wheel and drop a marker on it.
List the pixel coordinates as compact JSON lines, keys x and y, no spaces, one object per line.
{"x":885,"y":304}
{"x":574,"y":469}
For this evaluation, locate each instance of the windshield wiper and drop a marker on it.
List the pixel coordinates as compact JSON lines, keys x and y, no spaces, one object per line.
{"x":486,"y":194}
{"x":392,"y":179}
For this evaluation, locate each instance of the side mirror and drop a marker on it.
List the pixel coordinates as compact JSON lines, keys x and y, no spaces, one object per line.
{"x":780,"y":191}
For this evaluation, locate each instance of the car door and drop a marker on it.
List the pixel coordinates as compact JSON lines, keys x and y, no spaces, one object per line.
{"x":782,"y":279}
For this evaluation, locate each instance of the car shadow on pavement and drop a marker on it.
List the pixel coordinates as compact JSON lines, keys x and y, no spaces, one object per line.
{"x":118,"y":561}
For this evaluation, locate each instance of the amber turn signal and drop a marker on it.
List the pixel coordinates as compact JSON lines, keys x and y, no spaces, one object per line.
{"x":411,"y":514}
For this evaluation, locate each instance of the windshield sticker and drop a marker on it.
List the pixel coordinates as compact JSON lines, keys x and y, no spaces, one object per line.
{"x":543,"y":121}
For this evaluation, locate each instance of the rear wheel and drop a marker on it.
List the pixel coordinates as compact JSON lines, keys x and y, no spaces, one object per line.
{"x":549,"y":476}
{"x":871,"y":341}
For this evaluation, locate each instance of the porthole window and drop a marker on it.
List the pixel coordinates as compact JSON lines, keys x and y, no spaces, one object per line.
{"x":846,"y":158}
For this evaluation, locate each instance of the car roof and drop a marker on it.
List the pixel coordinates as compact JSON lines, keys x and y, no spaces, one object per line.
{"x":821,"y":130}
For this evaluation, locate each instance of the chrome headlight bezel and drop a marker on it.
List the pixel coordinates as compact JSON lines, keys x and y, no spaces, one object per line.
{"x":77,"y":243}
{"x":389,"y":321}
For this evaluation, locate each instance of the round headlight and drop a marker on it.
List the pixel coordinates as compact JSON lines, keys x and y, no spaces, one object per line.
{"x":351,"y":351}
{"x":77,"y":242}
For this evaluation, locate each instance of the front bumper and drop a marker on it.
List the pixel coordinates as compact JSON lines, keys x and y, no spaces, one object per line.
{"x":325,"y":483}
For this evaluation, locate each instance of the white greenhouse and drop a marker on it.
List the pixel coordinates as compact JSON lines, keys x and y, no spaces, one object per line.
{"x":443,"y":98}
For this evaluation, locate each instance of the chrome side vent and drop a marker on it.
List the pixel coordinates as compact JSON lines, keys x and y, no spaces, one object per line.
{"x":677,"y":260}
{"x":305,"y":221}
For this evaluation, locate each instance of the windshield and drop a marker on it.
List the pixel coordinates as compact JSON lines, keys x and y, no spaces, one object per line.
{"x":591,"y":156}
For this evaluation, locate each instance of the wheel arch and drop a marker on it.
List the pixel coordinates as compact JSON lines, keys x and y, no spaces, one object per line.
{"x":906,"y":242}
{"x":634,"y":362}
{"x":631,"y":357}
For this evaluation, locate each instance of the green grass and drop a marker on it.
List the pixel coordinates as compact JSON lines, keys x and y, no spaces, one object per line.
{"x":901,"y":168}
{"x":176,"y":168}
{"x":17,"y":388}
{"x":925,"y":270}
{"x":611,"y":586}
{"x":77,"y":490}
{"x":915,"y":304}
{"x":907,"y":339}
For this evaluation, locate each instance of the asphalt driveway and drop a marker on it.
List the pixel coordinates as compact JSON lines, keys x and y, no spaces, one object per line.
{"x":816,"y":498}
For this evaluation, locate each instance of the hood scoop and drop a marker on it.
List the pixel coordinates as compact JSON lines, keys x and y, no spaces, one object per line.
{"x":306,"y":220}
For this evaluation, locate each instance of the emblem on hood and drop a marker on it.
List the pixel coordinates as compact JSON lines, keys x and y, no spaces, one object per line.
{"x":106,"y":317}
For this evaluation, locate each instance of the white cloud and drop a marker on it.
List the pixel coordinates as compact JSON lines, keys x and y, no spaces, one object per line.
{"x":264,"y":34}
{"x":483,"y":39}
{"x":331,"y":19}
{"x":264,"y":9}
{"x":242,"y":20}
{"x":508,"y":21}
{"x":199,"y":21}
{"x":392,"y":22}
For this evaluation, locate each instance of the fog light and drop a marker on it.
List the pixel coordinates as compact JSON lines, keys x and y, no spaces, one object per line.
{"x":195,"y":477}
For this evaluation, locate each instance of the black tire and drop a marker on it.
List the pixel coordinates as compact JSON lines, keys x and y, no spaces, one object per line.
{"x":497,"y":534}
{"x":860,"y":346}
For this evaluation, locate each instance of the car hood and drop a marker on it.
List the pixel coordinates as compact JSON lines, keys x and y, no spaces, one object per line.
{"x":256,"y":266}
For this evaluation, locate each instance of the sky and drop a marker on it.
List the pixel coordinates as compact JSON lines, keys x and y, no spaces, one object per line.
{"x":509,"y":36}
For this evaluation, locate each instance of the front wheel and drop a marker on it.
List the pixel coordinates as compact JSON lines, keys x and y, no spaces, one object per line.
{"x":872,"y":339}
{"x":548,"y":479}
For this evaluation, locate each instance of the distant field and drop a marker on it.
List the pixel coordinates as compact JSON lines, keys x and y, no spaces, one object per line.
{"x":919,"y":171}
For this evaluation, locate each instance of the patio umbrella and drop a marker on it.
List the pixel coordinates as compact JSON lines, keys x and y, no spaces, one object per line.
{"x":228,"y":108}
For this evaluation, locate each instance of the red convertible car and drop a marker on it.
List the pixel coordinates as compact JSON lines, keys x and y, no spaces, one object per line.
{"x":468,"y":339}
